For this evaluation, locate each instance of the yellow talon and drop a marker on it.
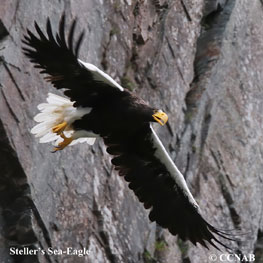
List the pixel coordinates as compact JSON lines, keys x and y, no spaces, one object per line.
{"x":58,"y":129}
{"x":65,"y":143}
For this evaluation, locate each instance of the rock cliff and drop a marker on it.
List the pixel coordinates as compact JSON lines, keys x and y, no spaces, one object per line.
{"x":200,"y":61}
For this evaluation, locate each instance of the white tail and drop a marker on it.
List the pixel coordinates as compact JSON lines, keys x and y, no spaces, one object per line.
{"x":58,"y":110}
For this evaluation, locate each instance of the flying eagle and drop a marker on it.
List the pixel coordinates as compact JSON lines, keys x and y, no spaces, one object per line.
{"x":99,"y":107}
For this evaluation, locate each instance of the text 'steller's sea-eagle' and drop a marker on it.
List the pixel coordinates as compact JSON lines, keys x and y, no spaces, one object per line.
{"x":100,"y":107}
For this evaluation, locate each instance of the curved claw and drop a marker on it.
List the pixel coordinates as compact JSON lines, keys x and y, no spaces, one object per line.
{"x":65,"y":143}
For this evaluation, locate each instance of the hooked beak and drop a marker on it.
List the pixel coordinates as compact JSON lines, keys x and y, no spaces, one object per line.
{"x":160,"y":117}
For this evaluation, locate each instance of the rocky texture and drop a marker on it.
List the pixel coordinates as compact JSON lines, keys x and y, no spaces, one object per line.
{"x":201,"y":61}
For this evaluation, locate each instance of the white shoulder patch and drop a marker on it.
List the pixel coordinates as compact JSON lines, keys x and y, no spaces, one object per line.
{"x":165,"y":159}
{"x":100,"y":75}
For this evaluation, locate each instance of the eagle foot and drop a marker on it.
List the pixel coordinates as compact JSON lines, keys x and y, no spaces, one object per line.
{"x":58,"y":129}
{"x":65,"y":143}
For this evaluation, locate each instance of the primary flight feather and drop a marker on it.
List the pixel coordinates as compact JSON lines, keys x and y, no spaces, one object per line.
{"x":100,"y":107}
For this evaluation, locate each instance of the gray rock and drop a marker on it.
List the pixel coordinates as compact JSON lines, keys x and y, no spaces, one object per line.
{"x":201,"y":62}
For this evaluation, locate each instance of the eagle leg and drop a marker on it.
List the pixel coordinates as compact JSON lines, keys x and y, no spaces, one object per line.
{"x":65,"y":143}
{"x":58,"y":129}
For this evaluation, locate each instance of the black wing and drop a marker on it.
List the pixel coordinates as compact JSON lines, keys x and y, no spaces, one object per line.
{"x":147,"y":175}
{"x":136,"y":158}
{"x":58,"y":57}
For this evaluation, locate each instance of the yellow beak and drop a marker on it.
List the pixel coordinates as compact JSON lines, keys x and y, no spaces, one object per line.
{"x":160,"y":117}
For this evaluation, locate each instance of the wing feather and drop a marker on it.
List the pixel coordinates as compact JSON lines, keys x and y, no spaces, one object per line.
{"x":76,"y":51}
{"x":61,"y":35}
{"x":139,"y":155}
{"x":143,"y":161}
{"x":71,"y":34}
{"x":42,"y":36}
{"x":56,"y":56}
{"x":49,"y":32}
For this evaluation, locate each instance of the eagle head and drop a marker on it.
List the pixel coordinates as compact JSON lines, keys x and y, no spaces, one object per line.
{"x":160,"y":117}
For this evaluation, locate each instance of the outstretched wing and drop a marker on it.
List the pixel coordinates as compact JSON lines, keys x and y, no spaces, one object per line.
{"x":139,"y":156}
{"x":143,"y":161}
{"x":57,"y":57}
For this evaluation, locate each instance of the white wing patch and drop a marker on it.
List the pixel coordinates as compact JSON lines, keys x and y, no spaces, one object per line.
{"x":58,"y":110}
{"x":99,"y":75}
{"x":165,"y":159}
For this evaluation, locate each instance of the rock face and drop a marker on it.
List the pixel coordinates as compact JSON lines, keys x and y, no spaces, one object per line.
{"x":200,"y":61}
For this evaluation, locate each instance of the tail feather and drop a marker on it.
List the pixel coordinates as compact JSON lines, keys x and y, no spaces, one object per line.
{"x":57,"y":110}
{"x":54,"y":99}
{"x":41,"y":128}
{"x":49,"y":137}
{"x":44,"y":106}
{"x":45,"y":117}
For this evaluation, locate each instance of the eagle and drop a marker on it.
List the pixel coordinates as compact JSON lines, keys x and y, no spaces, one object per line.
{"x":96,"y":106}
